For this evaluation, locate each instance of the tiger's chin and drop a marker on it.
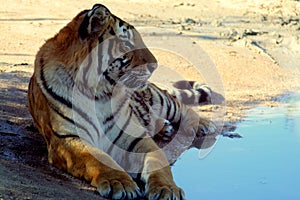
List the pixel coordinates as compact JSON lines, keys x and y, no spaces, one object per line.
{"x":134,"y":82}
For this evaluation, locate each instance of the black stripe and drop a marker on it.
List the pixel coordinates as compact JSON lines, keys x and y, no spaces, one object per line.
{"x":111,"y":44}
{"x":166,"y":98}
{"x":118,"y":137}
{"x":158,"y":93}
{"x":101,"y":39}
{"x":50,"y":91}
{"x":128,"y":44}
{"x":103,"y":97}
{"x":121,"y":23}
{"x":203,"y":95}
{"x":139,"y":176}
{"x":62,"y":100}
{"x":108,"y":78}
{"x":65,"y":136}
{"x":174,"y":106}
{"x":113,"y":143}
{"x":150,"y":100}
{"x":100,"y":57}
{"x":125,"y":64}
{"x":82,"y":30}
{"x":108,"y":128}
{"x":69,"y":120}
{"x":134,"y":143}
{"x":116,"y":112}
{"x":106,"y":74}
{"x":120,"y":133}
{"x":192,"y":83}
{"x":108,"y":119}
{"x":169,"y":108}
{"x":89,"y":65}
{"x":112,"y":31}
{"x":141,"y":110}
{"x":122,"y":130}
{"x":176,"y":125}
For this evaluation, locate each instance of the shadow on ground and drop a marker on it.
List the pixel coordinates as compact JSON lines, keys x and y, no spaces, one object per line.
{"x":24,"y":169}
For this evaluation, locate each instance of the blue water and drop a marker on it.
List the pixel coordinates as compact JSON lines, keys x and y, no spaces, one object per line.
{"x":263,"y":165}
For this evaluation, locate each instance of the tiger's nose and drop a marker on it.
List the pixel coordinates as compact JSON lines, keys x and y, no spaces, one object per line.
{"x":151,"y":66}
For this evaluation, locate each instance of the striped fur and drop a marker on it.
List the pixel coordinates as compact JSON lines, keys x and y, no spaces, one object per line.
{"x":90,"y":99}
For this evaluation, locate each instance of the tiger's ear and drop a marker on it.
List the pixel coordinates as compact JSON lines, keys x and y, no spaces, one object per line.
{"x":91,"y":25}
{"x":95,"y":21}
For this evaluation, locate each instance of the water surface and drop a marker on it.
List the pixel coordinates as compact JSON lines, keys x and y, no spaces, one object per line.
{"x":264,"y":164}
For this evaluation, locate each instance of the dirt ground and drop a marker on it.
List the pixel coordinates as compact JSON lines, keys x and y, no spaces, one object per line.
{"x":251,"y":55}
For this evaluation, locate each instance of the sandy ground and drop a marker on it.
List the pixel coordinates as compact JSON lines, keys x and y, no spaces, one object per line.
{"x":250,"y":54}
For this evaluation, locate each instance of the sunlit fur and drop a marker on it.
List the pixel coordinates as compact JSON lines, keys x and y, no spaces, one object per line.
{"x":90,"y":83}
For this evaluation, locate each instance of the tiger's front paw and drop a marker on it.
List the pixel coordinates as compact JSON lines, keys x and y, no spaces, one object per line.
{"x":117,"y":185}
{"x":165,"y":192}
{"x":160,"y":186}
{"x":206,"y":135}
{"x":206,"y":127}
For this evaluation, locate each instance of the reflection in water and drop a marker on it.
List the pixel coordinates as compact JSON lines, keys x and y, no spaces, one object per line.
{"x":293,"y":112}
{"x":264,"y":164}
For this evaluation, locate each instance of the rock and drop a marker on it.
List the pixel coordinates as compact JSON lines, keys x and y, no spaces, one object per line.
{"x":252,"y":32}
{"x":190,"y":21}
{"x":234,"y":35}
{"x":181,"y":4}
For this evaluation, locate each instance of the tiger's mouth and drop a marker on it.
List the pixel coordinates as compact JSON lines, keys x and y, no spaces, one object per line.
{"x":134,"y":79}
{"x":138,"y":77}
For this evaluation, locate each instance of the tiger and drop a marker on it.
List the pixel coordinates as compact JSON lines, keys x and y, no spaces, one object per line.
{"x":101,"y":118}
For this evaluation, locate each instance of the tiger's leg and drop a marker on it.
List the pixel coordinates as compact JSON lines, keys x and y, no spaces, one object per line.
{"x":183,"y":117}
{"x":95,"y":166}
{"x":185,"y":129}
{"x":160,"y":183}
{"x":156,"y":172}
{"x":79,"y":159}
{"x":191,"y":92}
{"x":179,"y":116}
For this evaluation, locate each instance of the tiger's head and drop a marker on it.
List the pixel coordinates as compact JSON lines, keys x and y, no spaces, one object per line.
{"x":112,"y":46}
